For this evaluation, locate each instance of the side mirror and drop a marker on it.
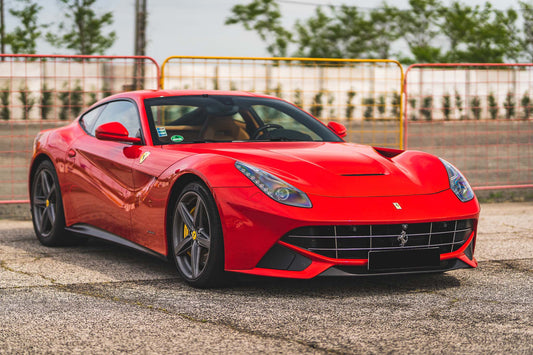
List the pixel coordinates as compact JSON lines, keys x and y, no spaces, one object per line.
{"x":116,"y":132}
{"x":338,"y":128}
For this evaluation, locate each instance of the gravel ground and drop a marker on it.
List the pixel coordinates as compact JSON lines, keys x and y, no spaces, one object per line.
{"x":101,"y":298}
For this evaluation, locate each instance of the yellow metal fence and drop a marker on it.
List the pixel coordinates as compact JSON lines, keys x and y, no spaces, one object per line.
{"x":363,"y":94}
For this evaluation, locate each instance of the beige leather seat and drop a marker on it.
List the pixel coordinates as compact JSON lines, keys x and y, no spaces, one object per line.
{"x":225,"y":129}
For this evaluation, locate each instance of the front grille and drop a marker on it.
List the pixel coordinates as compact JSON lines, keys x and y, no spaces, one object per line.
{"x":355,"y":241}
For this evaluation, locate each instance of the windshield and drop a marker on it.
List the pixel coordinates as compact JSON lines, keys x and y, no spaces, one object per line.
{"x":217,"y":118}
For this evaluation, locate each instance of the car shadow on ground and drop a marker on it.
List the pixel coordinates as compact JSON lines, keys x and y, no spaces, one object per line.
{"x":123,"y":264}
{"x":237,"y":283}
{"x":408,"y":283}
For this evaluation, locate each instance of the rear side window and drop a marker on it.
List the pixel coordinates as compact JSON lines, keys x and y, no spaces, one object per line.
{"x":88,"y":120}
{"x":123,"y":112}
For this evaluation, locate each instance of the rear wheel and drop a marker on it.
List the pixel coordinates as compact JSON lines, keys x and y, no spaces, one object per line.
{"x":197,"y":244}
{"x":47,"y":206}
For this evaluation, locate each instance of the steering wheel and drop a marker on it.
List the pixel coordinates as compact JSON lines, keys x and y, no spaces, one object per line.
{"x":264,"y":128}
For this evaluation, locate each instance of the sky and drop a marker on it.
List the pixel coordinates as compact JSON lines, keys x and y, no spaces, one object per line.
{"x":196,"y":27}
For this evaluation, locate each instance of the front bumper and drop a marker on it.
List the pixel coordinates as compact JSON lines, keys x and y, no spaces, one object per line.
{"x":253,"y":226}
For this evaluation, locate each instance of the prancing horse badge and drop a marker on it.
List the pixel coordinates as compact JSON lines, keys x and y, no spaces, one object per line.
{"x":143,"y":157}
{"x":397,"y":205}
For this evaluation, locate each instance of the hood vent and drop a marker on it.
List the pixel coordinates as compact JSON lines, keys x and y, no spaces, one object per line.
{"x":377,"y":174}
{"x":388,"y":153}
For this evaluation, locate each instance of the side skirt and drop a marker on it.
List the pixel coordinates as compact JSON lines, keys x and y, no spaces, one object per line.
{"x":90,"y":231}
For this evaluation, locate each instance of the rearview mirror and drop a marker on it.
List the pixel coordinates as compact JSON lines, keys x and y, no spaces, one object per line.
{"x":338,"y":128}
{"x":116,"y":132}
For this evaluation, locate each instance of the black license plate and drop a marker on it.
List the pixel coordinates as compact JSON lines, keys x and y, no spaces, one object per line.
{"x":403,"y":259}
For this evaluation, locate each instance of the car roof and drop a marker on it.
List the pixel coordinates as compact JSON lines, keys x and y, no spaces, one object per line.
{"x":147,"y":94}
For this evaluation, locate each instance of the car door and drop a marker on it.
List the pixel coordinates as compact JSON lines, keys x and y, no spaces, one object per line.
{"x":101,"y":181}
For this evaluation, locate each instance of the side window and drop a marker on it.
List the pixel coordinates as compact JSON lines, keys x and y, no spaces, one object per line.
{"x":123,"y":112}
{"x":88,"y":119}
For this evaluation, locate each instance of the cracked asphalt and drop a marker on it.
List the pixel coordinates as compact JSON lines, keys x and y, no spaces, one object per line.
{"x":102,"y":298}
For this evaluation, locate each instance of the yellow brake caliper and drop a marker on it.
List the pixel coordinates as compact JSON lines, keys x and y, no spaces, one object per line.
{"x":186,"y":230}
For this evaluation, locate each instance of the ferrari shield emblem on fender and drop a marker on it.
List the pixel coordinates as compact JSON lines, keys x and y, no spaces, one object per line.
{"x":397,"y":205}
{"x":143,"y":157}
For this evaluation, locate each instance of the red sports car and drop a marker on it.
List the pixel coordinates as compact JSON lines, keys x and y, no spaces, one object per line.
{"x":237,"y":182}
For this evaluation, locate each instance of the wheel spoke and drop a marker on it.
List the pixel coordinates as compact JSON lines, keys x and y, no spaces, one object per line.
{"x":195,"y":259}
{"x":52,"y":192}
{"x":203,"y":239}
{"x":45,"y":183}
{"x":199,"y":219}
{"x":196,"y":210}
{"x":183,"y":246}
{"x":44,"y":218}
{"x":186,"y":216}
{"x":39,"y":201}
{"x":52,"y":214}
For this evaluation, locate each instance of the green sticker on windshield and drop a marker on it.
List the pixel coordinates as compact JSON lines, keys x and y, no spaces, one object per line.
{"x":176,"y":139}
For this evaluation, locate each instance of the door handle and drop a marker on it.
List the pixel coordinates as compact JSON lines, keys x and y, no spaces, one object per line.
{"x":71,"y":153}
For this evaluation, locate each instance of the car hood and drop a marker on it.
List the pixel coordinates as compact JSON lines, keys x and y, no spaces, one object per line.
{"x":337,"y":169}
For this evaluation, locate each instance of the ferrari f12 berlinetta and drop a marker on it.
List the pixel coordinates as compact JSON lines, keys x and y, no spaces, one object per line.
{"x":224,"y":182}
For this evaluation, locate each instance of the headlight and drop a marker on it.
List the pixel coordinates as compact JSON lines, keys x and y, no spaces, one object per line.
{"x":274,"y":187}
{"x":458,"y":183}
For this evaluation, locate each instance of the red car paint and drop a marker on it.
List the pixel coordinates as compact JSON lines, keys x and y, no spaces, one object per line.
{"x":117,"y":187}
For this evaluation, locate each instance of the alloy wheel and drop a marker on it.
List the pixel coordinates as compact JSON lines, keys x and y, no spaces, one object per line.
{"x":44,"y":201}
{"x":191,"y":235}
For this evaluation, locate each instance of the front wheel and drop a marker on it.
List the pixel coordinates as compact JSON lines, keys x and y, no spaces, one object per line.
{"x":197,"y":243}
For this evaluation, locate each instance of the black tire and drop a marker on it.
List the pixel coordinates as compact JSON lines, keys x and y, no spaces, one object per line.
{"x":47,"y":206}
{"x":196,"y":240}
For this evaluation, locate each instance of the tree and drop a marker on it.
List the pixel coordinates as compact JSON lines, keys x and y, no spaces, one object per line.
{"x":26,"y":101}
{"x":72,"y":101}
{"x":384,"y":30}
{"x":427,"y":108}
{"x":459,"y":104}
{"x":494,"y":38}
{"x":264,"y":17}
{"x":381,"y":105}
{"x":24,"y":38}
{"x":446,"y":106}
{"x":298,"y":99}
{"x":346,"y":32}
{"x":331,"y":100}
{"x":395,"y":104}
{"x":350,"y":107}
{"x":493,"y":106}
{"x":509,"y":105}
{"x":526,"y":9}
{"x":319,"y":37}
{"x":368,"y":103}
{"x":5,"y":112}
{"x":46,"y":101}
{"x":458,"y":19}
{"x":526,"y":104}
{"x":412,"y":102}
{"x":350,"y":31}
{"x":419,"y":24}
{"x":433,"y":32}
{"x":85,"y":34}
{"x":475,"y":106}
{"x":317,"y":107}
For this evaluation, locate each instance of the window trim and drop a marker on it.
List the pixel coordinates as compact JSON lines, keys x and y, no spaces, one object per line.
{"x":143,"y":140}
